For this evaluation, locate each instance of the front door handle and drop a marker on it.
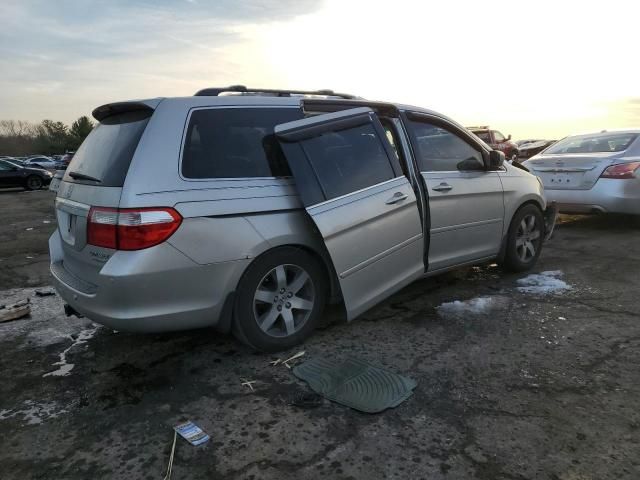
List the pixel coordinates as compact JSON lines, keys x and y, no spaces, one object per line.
{"x":397,"y":197}
{"x":443,"y":187}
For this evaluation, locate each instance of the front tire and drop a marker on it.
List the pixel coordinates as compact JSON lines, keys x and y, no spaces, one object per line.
{"x":524,"y":239}
{"x":33,"y":182}
{"x":279,"y":300}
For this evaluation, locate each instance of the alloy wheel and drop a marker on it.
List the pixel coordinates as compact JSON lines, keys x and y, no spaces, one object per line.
{"x":284,"y":300}
{"x":527,"y":238}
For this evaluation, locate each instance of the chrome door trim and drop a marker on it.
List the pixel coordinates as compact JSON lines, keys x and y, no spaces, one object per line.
{"x":465,"y":225}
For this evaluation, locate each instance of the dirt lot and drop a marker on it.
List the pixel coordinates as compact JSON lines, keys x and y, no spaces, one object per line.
{"x":521,"y":386}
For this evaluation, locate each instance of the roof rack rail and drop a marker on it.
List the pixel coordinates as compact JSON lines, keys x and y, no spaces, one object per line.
{"x":214,"y":92}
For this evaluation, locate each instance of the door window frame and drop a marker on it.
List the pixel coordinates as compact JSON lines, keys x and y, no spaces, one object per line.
{"x":309,"y":185}
{"x":412,"y":116}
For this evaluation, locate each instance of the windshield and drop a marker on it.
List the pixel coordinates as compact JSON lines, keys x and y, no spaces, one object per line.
{"x":106,"y":153}
{"x":597,"y":143}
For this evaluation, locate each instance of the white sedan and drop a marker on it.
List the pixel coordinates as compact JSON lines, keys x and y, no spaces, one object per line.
{"x":593,"y":173}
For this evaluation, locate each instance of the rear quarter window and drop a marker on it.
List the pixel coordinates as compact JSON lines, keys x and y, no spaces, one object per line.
{"x":235,"y":143}
{"x":106,"y":153}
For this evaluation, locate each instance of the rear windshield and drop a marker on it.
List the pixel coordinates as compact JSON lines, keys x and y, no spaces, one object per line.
{"x":599,"y":143}
{"x":106,"y":153}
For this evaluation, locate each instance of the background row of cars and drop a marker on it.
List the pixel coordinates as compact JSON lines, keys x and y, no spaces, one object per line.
{"x":54,"y":162}
{"x":33,"y":172}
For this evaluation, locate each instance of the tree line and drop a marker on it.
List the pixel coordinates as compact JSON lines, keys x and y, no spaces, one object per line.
{"x":18,"y":138}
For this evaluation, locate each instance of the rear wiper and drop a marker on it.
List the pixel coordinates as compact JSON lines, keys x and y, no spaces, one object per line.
{"x":82,"y":176}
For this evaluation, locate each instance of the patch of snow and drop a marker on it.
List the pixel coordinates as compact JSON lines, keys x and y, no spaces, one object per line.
{"x":65,"y":368}
{"x":474,"y":306}
{"x":543,"y":283}
{"x":34,"y":413}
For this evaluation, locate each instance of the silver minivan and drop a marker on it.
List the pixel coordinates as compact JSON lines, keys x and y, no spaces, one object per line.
{"x":249,"y":210}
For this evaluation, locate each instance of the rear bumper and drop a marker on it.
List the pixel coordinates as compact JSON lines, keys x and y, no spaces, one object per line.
{"x":164,"y":292}
{"x":608,"y":195}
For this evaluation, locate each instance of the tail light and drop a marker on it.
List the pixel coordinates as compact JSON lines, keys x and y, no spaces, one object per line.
{"x":131,"y":228}
{"x":621,"y":170}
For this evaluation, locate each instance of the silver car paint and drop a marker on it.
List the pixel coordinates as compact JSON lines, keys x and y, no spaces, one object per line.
{"x":184,"y":282}
{"x":573,"y":180}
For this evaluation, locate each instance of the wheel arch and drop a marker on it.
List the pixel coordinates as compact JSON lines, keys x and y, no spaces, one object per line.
{"x":527,"y":201}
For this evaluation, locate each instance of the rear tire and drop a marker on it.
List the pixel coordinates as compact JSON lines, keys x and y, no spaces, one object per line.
{"x":33,"y":182}
{"x":524,"y":239}
{"x":279,"y":300}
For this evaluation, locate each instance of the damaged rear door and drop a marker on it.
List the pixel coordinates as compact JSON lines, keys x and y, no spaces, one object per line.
{"x":353,"y":188}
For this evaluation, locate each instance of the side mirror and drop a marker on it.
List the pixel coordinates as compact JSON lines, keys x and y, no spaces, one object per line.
{"x":496,"y":160}
{"x":470,"y":164}
{"x":509,"y":137}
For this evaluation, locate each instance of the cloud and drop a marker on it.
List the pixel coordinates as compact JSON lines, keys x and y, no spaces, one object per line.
{"x":61,"y":58}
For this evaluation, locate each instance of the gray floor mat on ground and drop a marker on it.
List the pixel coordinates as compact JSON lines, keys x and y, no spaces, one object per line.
{"x":355,"y":383}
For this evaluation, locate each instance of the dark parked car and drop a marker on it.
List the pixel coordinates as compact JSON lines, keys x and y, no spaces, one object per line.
{"x":531,"y":148}
{"x":14,"y":175}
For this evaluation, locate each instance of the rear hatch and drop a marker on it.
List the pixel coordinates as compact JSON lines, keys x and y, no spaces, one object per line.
{"x":95,"y":177}
{"x":570,"y":171}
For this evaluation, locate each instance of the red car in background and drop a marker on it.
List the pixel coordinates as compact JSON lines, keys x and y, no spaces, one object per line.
{"x":497,"y":141}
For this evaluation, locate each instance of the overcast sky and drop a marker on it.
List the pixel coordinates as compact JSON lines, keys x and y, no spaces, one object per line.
{"x":529,"y":68}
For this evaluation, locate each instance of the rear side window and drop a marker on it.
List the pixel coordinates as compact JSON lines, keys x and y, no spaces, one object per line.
{"x":235,"y":143}
{"x":348,"y":160}
{"x":106,"y":153}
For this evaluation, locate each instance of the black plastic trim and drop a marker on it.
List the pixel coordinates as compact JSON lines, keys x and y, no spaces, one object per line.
{"x":216,"y":91}
{"x":327,"y":106}
{"x":318,"y":128}
{"x":104,"y":111}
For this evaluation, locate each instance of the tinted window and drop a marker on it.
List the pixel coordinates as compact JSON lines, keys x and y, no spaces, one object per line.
{"x":107,"y":152}
{"x":348,"y":160}
{"x":499,"y":137}
{"x":6,"y":165}
{"x":235,"y":142}
{"x":441,"y":150}
{"x":599,"y":143}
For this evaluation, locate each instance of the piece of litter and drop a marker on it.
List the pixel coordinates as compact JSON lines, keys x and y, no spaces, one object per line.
{"x":248,"y":383}
{"x":45,"y":293}
{"x":561,"y":318}
{"x":15,"y":311}
{"x":46,"y":221}
{"x":29,"y":257}
{"x":290,"y":359}
{"x":355,"y":383}
{"x":29,"y":229}
{"x":191,"y":433}
{"x":275,"y":362}
{"x":173,"y":451}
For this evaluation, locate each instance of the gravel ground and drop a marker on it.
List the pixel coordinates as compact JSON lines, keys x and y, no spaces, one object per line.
{"x":512,"y":384}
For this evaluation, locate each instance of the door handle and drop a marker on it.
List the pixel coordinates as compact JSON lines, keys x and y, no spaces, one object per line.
{"x":443,"y":187}
{"x":397,"y":197}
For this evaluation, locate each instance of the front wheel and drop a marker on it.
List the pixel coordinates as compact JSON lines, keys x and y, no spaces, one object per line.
{"x":524,"y":239}
{"x":279,"y":300}
{"x":33,"y":182}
